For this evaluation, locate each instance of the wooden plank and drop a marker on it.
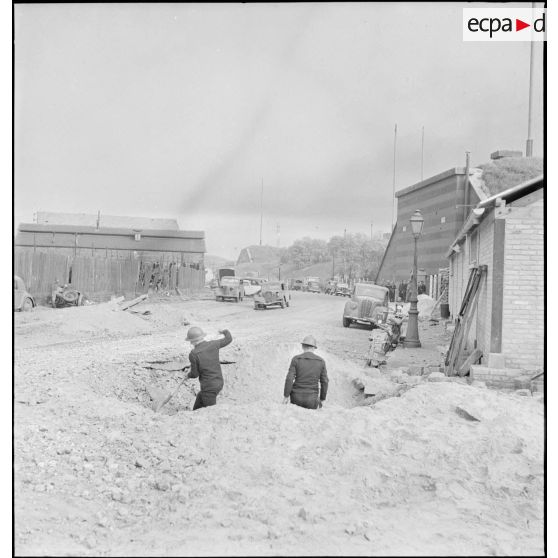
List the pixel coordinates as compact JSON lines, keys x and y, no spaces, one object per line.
{"x":131,"y":303}
{"x":473,"y":358}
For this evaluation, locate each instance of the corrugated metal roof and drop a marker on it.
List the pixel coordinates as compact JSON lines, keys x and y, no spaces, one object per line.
{"x":72,"y":229}
{"x":110,"y":221}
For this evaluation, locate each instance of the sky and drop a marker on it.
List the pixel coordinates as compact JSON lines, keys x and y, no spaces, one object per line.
{"x":185,"y":110}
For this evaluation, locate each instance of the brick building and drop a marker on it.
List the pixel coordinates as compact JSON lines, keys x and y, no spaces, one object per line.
{"x":505,"y":233}
{"x":442,"y":200}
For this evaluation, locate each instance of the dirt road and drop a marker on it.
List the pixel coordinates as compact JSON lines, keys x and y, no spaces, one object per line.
{"x":98,"y":473}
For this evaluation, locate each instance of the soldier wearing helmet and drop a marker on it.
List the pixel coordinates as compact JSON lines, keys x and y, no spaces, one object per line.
{"x":205,"y":365}
{"x":306,"y":382}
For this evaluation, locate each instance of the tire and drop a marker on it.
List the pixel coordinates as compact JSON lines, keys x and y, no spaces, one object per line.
{"x":346,"y":322}
{"x":288,"y":303}
{"x":27,"y":305}
{"x":70,"y":296}
{"x":282,"y":304}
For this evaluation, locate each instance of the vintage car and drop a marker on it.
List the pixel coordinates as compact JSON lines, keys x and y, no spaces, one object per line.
{"x":23,"y":301}
{"x":369,"y":304}
{"x":252,"y":285}
{"x":274,"y":293}
{"x":342,"y":289}
{"x":230,"y":288}
{"x":298,"y":285}
{"x":313,"y":286}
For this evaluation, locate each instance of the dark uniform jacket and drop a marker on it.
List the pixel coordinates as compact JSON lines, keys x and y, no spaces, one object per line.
{"x":307,"y":374}
{"x":204,"y":360}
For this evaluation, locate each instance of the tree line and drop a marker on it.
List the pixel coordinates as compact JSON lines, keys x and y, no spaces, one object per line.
{"x":352,"y":255}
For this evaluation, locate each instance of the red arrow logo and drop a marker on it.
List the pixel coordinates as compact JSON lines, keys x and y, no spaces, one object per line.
{"x":519,"y":25}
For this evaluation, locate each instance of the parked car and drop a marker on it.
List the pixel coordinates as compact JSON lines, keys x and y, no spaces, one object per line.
{"x":298,"y":284}
{"x":230,"y":288}
{"x":369,"y":304}
{"x":314,"y":287}
{"x":23,"y":301}
{"x":342,"y":289}
{"x":252,"y":285}
{"x":274,"y":293}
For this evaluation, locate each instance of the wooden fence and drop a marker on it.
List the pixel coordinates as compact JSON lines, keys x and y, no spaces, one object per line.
{"x":100,"y":278}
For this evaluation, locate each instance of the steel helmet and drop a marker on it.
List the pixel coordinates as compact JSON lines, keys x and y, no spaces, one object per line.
{"x":310,"y":341}
{"x":195,"y":334}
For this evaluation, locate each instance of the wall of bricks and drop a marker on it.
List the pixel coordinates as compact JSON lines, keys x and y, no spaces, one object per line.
{"x":523,"y":314}
{"x":503,"y":378}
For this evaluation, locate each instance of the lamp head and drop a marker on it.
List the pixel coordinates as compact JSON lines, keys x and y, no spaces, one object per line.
{"x":417,"y":222}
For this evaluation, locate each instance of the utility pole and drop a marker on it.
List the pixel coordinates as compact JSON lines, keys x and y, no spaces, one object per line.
{"x":345,"y":254}
{"x":278,"y":235}
{"x":393,"y":194}
{"x":371,"y":232}
{"x":422,"y":156}
{"x":529,"y":143}
{"x":261,"y":212}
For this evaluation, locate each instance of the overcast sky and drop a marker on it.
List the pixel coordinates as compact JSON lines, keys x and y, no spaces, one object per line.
{"x":182,"y":110}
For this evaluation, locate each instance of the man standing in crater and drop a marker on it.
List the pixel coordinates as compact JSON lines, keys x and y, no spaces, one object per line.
{"x":205,"y":365}
{"x":306,"y":382}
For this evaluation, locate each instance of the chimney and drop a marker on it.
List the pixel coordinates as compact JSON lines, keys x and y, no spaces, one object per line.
{"x":501,"y":153}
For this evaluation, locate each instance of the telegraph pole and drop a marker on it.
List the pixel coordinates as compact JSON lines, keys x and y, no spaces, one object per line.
{"x":261,"y":212}
{"x":393,"y":194}
{"x":529,"y":143}
{"x":422,"y":156}
{"x":278,"y":235}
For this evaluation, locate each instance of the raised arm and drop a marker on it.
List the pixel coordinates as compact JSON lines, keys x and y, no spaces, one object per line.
{"x":227,"y":339}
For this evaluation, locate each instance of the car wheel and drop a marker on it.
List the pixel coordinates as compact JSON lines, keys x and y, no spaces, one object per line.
{"x":346,"y":322}
{"x":282,"y":304}
{"x":27,"y":305}
{"x":288,"y":303}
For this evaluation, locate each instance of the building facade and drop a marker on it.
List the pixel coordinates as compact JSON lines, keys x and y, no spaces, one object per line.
{"x":443,"y":201}
{"x":505,"y":233}
{"x":112,"y":243}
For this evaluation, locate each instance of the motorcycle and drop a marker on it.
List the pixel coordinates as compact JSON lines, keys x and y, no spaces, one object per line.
{"x":66,"y":296}
{"x":385,"y":338}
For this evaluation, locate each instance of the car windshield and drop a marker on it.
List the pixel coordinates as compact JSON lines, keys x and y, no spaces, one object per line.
{"x":373,"y":291}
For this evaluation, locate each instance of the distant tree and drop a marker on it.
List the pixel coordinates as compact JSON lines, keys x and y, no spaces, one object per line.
{"x":355,"y":255}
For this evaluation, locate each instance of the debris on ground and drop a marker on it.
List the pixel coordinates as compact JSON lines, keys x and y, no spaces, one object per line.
{"x":97,"y":472}
{"x":134,"y":302}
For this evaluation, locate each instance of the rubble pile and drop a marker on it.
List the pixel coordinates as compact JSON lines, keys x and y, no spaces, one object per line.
{"x":436,"y":467}
{"x":274,"y":476}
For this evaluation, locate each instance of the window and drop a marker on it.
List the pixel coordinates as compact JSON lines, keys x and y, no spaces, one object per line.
{"x":404,"y":228}
{"x":442,"y":219}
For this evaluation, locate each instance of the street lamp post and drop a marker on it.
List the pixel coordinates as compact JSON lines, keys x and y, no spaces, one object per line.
{"x":412,"y":336}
